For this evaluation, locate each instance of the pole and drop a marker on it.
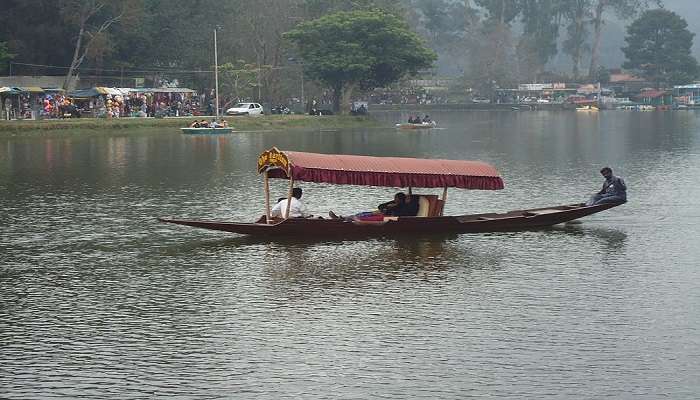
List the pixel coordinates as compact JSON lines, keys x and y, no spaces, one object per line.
{"x":259,"y":82}
{"x":302,"y":89}
{"x":444,"y":200}
{"x":289,"y":197}
{"x":216,"y":77}
{"x":267,"y":198}
{"x":10,"y":68}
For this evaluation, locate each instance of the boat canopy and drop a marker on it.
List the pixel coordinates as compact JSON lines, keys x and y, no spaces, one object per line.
{"x":378,"y":171}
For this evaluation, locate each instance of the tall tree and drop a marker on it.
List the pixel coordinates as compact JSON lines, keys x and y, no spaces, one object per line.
{"x":5,"y":55}
{"x":658,"y":44}
{"x":577,"y":14}
{"x":538,"y":44}
{"x":491,"y":62}
{"x":92,"y":19}
{"x":368,"y":49}
{"x":624,"y":9}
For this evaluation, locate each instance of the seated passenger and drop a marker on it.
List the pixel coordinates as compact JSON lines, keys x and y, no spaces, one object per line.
{"x":426,"y":118}
{"x":296,"y":208}
{"x":614,"y":189}
{"x":195,"y":124}
{"x":401,"y":206}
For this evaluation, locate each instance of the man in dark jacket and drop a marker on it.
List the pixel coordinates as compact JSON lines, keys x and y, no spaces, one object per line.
{"x":614,"y":189}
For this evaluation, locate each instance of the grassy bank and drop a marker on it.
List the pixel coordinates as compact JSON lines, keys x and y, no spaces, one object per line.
{"x":126,"y":125}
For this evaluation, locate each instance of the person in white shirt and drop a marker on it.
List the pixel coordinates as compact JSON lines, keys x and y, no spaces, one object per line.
{"x":296,"y":208}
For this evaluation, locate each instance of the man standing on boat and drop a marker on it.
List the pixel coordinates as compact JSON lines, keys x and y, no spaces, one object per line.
{"x":614,"y":189}
{"x":297,"y":209}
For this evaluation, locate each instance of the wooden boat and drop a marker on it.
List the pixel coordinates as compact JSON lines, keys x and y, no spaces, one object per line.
{"x":588,"y":108}
{"x":389,"y":172}
{"x":195,"y":131}
{"x":422,"y":125}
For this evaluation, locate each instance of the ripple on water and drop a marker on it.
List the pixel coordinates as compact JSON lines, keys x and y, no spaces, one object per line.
{"x":97,"y":300}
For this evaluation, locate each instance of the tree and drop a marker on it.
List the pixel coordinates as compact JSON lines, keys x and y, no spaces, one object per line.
{"x":578,"y":14}
{"x":83,"y":14}
{"x":239,"y":78}
{"x":5,"y":55}
{"x":368,"y":49}
{"x":538,"y":44}
{"x":658,"y":44}
{"x":624,"y":9}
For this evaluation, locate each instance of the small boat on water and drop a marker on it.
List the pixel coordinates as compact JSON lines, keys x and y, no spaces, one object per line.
{"x":588,"y":108}
{"x":388,"y":172}
{"x":196,"y":131}
{"x":422,"y":125}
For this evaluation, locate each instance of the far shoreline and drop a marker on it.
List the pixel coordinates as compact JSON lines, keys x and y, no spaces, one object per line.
{"x":264,"y":123}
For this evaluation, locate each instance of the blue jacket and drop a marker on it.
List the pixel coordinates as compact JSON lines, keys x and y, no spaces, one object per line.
{"x":614,"y":186}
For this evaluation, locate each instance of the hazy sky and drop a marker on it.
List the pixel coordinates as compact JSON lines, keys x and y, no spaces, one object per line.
{"x":614,"y":31}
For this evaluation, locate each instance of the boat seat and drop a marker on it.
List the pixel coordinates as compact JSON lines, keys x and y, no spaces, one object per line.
{"x":429,"y":205}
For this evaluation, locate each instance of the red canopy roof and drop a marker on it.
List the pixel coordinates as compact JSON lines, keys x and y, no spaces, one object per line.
{"x":379,"y":171}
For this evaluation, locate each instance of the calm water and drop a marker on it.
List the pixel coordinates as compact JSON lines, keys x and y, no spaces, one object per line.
{"x":98,"y":300}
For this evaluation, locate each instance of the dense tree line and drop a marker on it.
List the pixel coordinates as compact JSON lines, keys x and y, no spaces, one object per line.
{"x":498,"y":42}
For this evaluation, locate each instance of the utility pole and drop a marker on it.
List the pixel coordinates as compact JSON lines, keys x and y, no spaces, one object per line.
{"x":216,"y":76}
{"x":302,"y":88}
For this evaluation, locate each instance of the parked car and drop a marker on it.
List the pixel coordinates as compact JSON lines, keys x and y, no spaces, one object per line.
{"x":480,"y":100}
{"x":245,"y":109}
{"x":543,"y":101}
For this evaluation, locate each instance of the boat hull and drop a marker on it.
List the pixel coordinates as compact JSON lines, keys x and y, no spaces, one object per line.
{"x":424,"y":125}
{"x":476,"y":223}
{"x":197,"y":131}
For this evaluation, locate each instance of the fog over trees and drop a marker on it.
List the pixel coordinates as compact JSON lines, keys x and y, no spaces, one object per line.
{"x":485,"y":42}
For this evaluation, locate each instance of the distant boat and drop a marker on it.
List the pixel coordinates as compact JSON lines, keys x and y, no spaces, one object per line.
{"x":422,"y":125}
{"x":587,"y":108}
{"x":206,"y":130}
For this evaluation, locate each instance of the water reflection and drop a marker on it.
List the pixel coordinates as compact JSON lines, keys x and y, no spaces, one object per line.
{"x":614,"y":239}
{"x":99,"y":299}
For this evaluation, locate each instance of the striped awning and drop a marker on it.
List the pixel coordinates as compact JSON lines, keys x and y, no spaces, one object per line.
{"x":379,"y":171}
{"x":30,"y":89}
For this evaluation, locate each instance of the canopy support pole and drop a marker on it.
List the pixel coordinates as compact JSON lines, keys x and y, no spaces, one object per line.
{"x":444,"y":200}
{"x":409,"y":191}
{"x":267,"y":198}
{"x":289,"y":197}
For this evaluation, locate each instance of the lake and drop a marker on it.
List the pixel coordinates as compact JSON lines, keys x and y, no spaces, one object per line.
{"x":99,"y":300}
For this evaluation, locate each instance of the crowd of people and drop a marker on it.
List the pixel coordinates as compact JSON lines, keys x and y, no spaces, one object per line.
{"x":56,"y":104}
{"x":417,"y":119}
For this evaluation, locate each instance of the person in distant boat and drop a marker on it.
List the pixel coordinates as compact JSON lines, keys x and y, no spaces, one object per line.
{"x":410,"y":119}
{"x":393,"y":207}
{"x":223,"y":123}
{"x":203,"y":124}
{"x":426,"y":119}
{"x":195,"y":124}
{"x":297,"y":209}
{"x":614,"y":189}
{"x":401,"y":206}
